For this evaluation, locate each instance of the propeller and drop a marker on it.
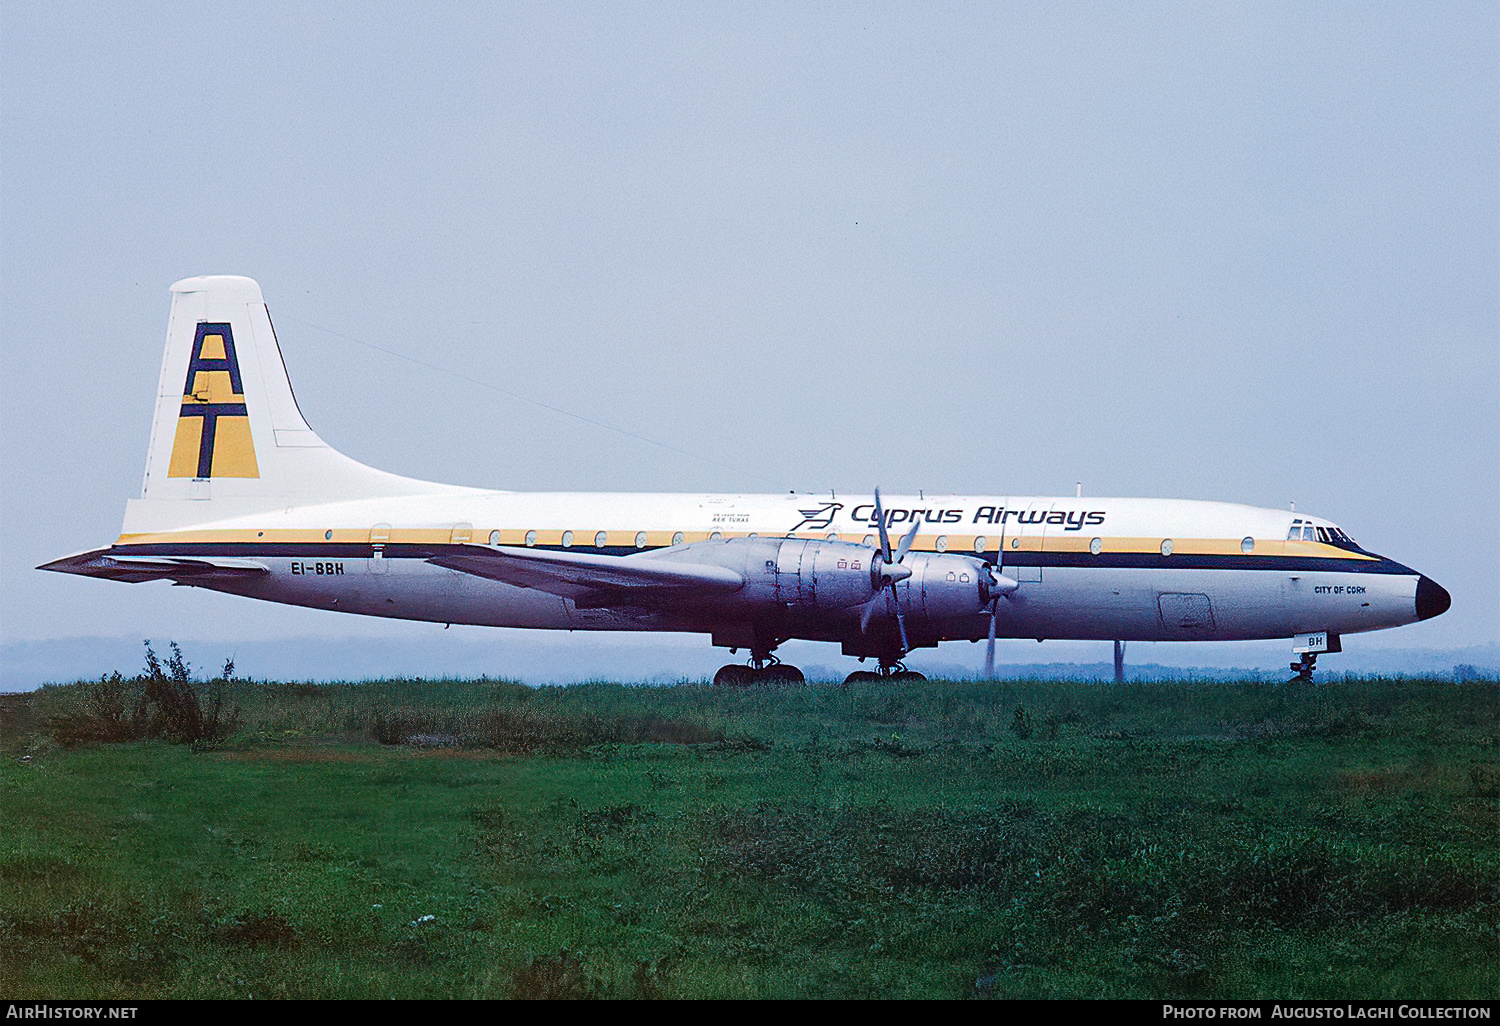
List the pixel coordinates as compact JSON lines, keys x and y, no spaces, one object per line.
{"x":1000,"y":587}
{"x":886,"y":571}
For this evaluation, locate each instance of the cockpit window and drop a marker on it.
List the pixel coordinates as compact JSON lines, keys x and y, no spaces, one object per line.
{"x":1306,"y":530}
{"x":1343,"y":541}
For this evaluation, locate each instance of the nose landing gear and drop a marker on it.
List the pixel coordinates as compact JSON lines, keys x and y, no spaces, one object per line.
{"x":1309,"y":646}
{"x":1304,"y":668}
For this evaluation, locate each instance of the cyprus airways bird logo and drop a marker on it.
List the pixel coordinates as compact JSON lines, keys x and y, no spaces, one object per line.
{"x":820,"y":518}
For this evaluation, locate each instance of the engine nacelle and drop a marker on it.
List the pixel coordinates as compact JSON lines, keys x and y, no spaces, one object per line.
{"x":827,"y":576}
{"x":788,"y":572}
{"x":943,"y":586}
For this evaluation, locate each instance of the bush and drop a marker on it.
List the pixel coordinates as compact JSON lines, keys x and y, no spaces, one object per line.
{"x":162,"y":703}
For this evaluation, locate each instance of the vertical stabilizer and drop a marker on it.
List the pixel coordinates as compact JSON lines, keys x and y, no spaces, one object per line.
{"x":227,"y":437}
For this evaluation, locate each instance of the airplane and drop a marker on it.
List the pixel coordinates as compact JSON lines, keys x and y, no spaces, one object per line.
{"x":241,"y":496}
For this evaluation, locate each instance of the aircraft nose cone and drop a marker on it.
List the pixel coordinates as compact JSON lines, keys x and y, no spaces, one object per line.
{"x":1432,"y":598}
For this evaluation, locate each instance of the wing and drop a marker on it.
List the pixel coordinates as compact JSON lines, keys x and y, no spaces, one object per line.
{"x":135,"y":569}
{"x":593,"y":581}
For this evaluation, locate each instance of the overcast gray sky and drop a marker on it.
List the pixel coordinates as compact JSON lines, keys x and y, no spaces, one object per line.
{"x":1246,"y":252}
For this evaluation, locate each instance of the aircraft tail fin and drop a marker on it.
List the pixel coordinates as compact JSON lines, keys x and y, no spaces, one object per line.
{"x":227,"y":437}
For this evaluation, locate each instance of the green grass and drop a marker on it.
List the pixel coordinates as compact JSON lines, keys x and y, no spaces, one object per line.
{"x":1139,"y":841}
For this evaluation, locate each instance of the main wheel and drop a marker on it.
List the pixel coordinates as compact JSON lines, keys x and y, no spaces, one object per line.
{"x":734,"y":676}
{"x":906,"y":677}
{"x":862,"y":677}
{"x":781,"y":673}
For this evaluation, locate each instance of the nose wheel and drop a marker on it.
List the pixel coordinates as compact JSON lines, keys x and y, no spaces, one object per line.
{"x":1304,"y":668}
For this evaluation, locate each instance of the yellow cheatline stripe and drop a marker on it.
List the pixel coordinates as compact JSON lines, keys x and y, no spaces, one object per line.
{"x":583,"y":538}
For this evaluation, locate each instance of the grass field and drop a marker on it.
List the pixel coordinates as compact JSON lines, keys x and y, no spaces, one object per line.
{"x":952,"y":840}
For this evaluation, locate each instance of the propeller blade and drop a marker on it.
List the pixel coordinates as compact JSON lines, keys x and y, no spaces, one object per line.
{"x":905,"y":546}
{"x":989,"y":648}
{"x":900,"y":620}
{"x":885,"y":538}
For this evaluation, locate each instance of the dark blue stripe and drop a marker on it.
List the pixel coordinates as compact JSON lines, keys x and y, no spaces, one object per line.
{"x":1046,"y":560}
{"x":214,"y":410}
{"x":1199,"y":561}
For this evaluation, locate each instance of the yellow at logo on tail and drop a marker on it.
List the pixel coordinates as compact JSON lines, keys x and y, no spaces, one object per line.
{"x":213,"y":429}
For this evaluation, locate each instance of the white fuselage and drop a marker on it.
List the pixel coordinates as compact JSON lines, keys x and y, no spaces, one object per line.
{"x":372,"y":557}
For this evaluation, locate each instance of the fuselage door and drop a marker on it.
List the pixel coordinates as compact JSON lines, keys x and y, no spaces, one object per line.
{"x":1024,"y":538}
{"x":380,"y":536}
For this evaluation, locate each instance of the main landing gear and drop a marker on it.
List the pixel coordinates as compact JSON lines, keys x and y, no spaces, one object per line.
{"x":889,"y":673}
{"x":762,"y":670}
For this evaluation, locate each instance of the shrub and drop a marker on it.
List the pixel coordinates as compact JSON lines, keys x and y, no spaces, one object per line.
{"x":162,"y":702}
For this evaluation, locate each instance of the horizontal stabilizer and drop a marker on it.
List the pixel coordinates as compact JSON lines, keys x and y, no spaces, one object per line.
{"x":135,"y":569}
{"x":584,"y":577}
